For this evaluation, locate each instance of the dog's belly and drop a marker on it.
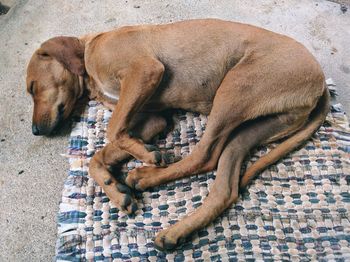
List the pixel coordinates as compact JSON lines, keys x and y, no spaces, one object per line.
{"x":183,"y":96}
{"x":195,"y":98}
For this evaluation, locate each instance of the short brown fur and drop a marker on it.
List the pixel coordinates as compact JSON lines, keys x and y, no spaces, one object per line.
{"x":256,"y":86}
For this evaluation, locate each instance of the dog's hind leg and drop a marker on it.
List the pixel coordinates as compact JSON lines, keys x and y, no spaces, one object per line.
{"x":232,"y":105}
{"x":247,"y":92}
{"x":106,"y":161}
{"x":226,"y":115}
{"x":225,"y":189}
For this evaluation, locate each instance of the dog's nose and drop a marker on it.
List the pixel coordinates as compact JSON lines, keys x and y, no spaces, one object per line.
{"x":35,"y":130}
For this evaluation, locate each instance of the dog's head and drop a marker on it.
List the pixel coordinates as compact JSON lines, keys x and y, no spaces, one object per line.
{"x":53,"y":81}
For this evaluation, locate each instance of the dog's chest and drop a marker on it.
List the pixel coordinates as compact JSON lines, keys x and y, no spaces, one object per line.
{"x":111,"y":95}
{"x":105,"y":90}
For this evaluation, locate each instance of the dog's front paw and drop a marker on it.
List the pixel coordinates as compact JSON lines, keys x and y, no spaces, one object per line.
{"x":159,"y":158}
{"x":142,"y":178}
{"x":121,"y":196}
{"x":168,"y":239}
{"x":128,"y":204}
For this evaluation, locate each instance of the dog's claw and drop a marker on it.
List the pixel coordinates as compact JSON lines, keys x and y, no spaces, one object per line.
{"x":128,"y":206}
{"x":159,"y":158}
{"x":123,"y":189}
{"x":166,"y":242}
{"x":134,"y":208}
{"x":113,"y":169}
{"x":162,"y":159}
{"x":120,"y":195}
{"x":160,"y":246}
{"x":142,"y":178}
{"x":169,"y":246}
{"x":137,"y":187}
{"x":242,"y":190}
{"x":131,"y":134}
{"x":166,"y":158}
{"x":151,"y":148}
{"x":108,"y":181}
{"x":121,"y":178}
{"x":127,"y":201}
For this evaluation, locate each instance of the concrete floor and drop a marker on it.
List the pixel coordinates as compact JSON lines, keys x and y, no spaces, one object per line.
{"x":32,"y":171}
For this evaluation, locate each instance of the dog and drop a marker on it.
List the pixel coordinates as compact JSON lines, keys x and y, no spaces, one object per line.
{"x":256,"y":86}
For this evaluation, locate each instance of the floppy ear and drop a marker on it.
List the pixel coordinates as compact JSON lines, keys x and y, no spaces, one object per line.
{"x":69,"y":51}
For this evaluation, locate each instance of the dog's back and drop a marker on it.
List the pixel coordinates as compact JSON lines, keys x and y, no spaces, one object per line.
{"x":197,"y":54}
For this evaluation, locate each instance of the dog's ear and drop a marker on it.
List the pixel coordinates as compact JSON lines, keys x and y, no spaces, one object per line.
{"x":69,"y":51}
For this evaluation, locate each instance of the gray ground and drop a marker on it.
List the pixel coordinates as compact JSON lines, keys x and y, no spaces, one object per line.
{"x":32,"y":170}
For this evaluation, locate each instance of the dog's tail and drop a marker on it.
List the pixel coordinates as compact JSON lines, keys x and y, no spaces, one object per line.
{"x":317,"y":117}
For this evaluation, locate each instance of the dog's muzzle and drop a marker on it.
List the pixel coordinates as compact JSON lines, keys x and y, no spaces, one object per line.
{"x":43,"y":129}
{"x":35,"y":130}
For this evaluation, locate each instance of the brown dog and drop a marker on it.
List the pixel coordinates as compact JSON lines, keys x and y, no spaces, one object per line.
{"x":256,"y":86}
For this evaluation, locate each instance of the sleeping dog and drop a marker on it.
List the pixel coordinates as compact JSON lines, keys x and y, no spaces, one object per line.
{"x":256,"y":86}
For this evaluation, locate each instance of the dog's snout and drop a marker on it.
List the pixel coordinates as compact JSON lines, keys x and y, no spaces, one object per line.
{"x":35,"y":130}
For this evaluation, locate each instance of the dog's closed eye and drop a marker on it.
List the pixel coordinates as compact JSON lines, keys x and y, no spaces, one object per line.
{"x":31,"y":88}
{"x":43,"y":55}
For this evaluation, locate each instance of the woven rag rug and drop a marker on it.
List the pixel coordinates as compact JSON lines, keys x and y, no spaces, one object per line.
{"x":297,"y":209}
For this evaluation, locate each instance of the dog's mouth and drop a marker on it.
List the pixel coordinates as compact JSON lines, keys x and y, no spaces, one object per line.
{"x":59,"y":118}
{"x":60,"y":111}
{"x":42,"y":129}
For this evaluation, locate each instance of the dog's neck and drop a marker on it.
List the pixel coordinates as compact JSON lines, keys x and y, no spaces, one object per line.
{"x":86,"y":85}
{"x":85,"y":88}
{"x":82,"y":87}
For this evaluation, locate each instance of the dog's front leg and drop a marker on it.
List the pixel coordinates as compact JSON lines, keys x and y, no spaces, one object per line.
{"x":105,"y":162}
{"x":138,"y":83}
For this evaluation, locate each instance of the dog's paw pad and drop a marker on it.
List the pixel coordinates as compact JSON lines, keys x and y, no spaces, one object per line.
{"x":108,"y":181}
{"x":162,"y":159}
{"x":128,"y":205}
{"x":159,"y":158}
{"x":166,"y":158}
{"x":143,"y":177}
{"x":165,"y":242}
{"x":134,"y":208}
{"x":151,"y":148}
{"x":127,"y":201}
{"x":123,"y":189}
{"x":133,"y":179}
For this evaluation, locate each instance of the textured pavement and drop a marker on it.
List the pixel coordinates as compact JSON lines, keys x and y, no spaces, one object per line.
{"x":32,"y":170}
